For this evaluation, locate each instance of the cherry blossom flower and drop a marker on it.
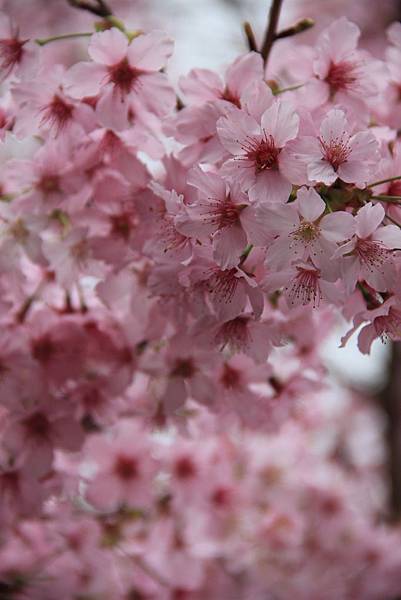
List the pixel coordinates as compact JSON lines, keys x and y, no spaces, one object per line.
{"x":203,"y":85}
{"x":257,"y":150}
{"x":368,"y":254}
{"x":125,"y":470}
{"x":16,"y":54}
{"x":336,"y":153}
{"x":224,"y":213}
{"x":344,"y":73}
{"x":304,"y":232}
{"x":121,"y":70}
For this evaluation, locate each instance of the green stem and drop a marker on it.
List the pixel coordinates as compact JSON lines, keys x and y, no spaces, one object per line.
{"x":290,"y":88}
{"x":384,"y":181}
{"x":56,"y":38}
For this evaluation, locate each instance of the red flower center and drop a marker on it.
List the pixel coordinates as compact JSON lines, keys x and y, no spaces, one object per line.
{"x":341,"y":76}
{"x":58,"y":113}
{"x":126,"y":467}
{"x":230,"y":377}
{"x":11,"y":52}
{"x":38,"y":425}
{"x":123,"y":76}
{"x":184,"y":468}
{"x":336,"y":150}
{"x":263,"y":153}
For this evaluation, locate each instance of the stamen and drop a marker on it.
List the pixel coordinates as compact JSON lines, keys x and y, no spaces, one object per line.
{"x":337,"y":150}
{"x":305,"y":287}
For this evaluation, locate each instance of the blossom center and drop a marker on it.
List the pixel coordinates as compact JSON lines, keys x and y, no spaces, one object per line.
{"x":306,"y":232}
{"x":223,"y":285}
{"x":11,"y":51}
{"x":123,"y":76}
{"x":230,"y":377}
{"x":372,"y":254}
{"x":341,"y":75}
{"x":57,"y":113}
{"x":223,"y":213}
{"x":184,"y":468}
{"x":38,"y":425}
{"x":305,"y":287}
{"x":234,"y":332}
{"x":263,"y":153}
{"x":336,"y":150}
{"x":126,"y":467}
{"x":184,"y":367}
{"x":229,"y":96}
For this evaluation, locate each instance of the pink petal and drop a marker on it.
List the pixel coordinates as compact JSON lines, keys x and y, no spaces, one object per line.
{"x":311,"y":205}
{"x":368,"y":219}
{"x":244,"y":72}
{"x":281,"y":122}
{"x":108,"y":47}
{"x":256,"y":99}
{"x":209,"y":184}
{"x":271,"y":186}
{"x":256,"y":226}
{"x":84,"y":79}
{"x":104,"y":493}
{"x":156,"y":94}
{"x":339,"y":39}
{"x":112,"y":110}
{"x":334,"y":125}
{"x":338,"y":226}
{"x":201,"y":85}
{"x":150,"y":52}
{"x":279,"y":254}
{"x":321,"y":171}
{"x":229,"y":243}
{"x":234,"y":131}
{"x":390,"y":235}
{"x":366,"y":337}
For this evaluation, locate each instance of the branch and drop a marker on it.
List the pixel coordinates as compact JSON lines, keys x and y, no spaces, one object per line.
{"x":390,"y":400}
{"x":250,"y":36}
{"x":271,"y":30}
{"x":299,"y":27}
{"x":101,"y":10}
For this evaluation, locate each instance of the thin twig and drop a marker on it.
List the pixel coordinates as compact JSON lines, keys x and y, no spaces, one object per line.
{"x":101,"y":10}
{"x":388,"y":180}
{"x":56,"y":38}
{"x":389,"y":199}
{"x":271,"y":30}
{"x":250,"y":36}
{"x":299,"y":27}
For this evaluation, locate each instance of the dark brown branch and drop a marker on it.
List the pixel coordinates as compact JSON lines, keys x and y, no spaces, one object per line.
{"x":250,"y":36}
{"x":100,"y":9}
{"x":391,"y":402}
{"x":271,"y":30}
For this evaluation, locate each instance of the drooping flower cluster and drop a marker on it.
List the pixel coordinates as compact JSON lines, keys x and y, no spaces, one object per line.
{"x":173,"y":266}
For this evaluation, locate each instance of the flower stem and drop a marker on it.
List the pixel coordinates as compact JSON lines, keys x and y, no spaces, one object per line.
{"x":56,"y":38}
{"x":384,"y":181}
{"x":288,"y":89}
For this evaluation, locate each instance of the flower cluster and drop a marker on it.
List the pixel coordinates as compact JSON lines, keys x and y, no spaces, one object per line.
{"x":169,"y":267}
